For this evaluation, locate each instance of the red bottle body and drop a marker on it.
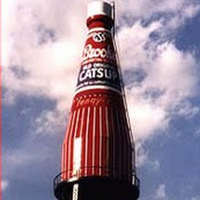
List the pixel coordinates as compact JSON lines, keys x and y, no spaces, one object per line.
{"x":97,"y":141}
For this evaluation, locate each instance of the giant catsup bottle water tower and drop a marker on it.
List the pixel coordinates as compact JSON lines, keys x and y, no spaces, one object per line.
{"x":98,"y":152}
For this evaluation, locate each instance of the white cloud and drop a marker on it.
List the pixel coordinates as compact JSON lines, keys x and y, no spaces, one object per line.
{"x":195,"y":198}
{"x":173,"y":69}
{"x":197,"y":131}
{"x":142,"y":154}
{"x":142,"y":158}
{"x":170,"y":79}
{"x":132,"y":41}
{"x":50,"y":122}
{"x":4,"y":185}
{"x":187,"y":110}
{"x":145,"y":8}
{"x":145,"y":117}
{"x":155,"y":165}
{"x":50,"y":68}
{"x":160,"y":192}
{"x":191,"y":10}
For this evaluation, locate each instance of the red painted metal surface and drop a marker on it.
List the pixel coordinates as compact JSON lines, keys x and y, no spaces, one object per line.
{"x":97,"y":141}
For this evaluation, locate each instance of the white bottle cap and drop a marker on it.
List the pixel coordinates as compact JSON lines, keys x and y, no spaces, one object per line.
{"x":99,"y":8}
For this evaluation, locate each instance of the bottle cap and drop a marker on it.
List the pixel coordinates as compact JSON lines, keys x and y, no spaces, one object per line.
{"x":99,"y":8}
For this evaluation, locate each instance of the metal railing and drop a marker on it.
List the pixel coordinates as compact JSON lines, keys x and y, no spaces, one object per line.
{"x":62,"y":176}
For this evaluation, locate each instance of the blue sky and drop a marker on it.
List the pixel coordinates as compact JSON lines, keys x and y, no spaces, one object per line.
{"x":159,"y":45}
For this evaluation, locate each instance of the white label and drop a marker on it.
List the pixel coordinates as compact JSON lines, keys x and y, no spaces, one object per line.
{"x":77,"y":155}
{"x":75,"y":192}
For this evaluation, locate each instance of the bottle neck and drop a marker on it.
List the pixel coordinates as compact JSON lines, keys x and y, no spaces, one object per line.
{"x":99,"y":21}
{"x":98,"y":66}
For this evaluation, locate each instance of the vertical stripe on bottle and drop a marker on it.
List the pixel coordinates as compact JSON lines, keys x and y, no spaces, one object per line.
{"x":104,"y":151}
{"x":124,"y":146}
{"x":86,"y":140}
{"x":97,"y":145}
{"x":72,"y":143}
{"x":69,"y":144}
{"x":79,"y":134}
{"x":69,"y":126}
{"x":82,"y":133}
{"x":118,"y":149}
{"x":100,"y":140}
{"x":64,"y":149}
{"x":93,"y":140}
{"x":107,"y":143}
{"x":85,"y":127}
{"x":62,"y":161}
{"x":90,"y":145}
{"x":112,"y":145}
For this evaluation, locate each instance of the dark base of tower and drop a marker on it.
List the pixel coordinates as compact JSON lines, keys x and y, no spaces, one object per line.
{"x":96,"y":188}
